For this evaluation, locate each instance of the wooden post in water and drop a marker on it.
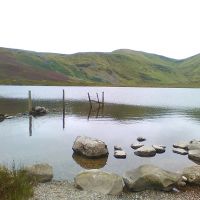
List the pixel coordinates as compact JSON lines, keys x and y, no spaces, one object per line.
{"x":63,"y":109}
{"x":29,"y":102}
{"x":102,"y":99}
{"x":90,"y":100}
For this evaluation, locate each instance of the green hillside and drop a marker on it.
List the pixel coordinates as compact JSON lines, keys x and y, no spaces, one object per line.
{"x":118,"y":68}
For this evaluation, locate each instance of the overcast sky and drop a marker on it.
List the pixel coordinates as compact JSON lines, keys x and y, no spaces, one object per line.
{"x":166,"y":27}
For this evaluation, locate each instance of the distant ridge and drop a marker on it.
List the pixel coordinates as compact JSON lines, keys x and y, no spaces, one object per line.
{"x":123,"y":67}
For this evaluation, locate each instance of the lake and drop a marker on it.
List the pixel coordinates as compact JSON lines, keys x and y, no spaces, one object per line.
{"x":161,"y":115}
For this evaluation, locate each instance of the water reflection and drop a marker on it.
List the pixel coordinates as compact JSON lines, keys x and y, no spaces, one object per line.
{"x":30,"y":125}
{"x":86,"y":163}
{"x":82,"y":109}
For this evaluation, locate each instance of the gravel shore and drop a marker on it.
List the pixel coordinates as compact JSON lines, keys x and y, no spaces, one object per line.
{"x":63,"y":190}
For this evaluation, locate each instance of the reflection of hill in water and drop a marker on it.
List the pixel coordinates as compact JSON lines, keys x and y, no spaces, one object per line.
{"x":113,"y":111}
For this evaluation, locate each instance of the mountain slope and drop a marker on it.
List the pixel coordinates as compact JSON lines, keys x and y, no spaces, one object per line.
{"x":118,"y":68}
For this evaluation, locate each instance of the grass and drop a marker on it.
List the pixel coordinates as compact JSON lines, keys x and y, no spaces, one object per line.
{"x":15,"y":184}
{"x":117,"y":68}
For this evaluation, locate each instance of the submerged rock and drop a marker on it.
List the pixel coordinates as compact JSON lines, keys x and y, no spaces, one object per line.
{"x":192,"y":174}
{"x":151,"y":177}
{"x":87,"y":163}
{"x":180,"y":151}
{"x":145,"y":151}
{"x":99,"y":181}
{"x":141,"y":139}
{"x":90,"y":147}
{"x":120,"y":154}
{"x":136,"y":145}
{"x":159,"y":148}
{"x":42,"y":172}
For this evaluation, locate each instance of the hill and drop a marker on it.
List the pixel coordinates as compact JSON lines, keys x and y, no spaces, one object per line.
{"x":118,"y":68}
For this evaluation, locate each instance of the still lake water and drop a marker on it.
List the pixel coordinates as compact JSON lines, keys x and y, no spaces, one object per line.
{"x":161,"y":115}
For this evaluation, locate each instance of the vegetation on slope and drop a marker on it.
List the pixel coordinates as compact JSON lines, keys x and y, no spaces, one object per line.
{"x":118,"y":68}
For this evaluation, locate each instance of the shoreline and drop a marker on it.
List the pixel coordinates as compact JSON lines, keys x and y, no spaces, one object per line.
{"x":64,"y":190}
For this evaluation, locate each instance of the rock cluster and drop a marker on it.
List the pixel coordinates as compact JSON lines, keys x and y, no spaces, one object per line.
{"x":191,"y":148}
{"x":146,"y":151}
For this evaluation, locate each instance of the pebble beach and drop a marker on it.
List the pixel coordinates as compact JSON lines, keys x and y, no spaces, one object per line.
{"x":63,"y":190}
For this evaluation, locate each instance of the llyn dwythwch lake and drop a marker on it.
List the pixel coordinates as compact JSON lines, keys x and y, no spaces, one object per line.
{"x":161,"y":115}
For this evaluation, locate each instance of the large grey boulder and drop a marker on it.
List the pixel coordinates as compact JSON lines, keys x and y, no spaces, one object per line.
{"x":99,"y":181}
{"x":42,"y":172}
{"x":90,"y":147}
{"x":192,"y":174}
{"x":145,"y":151}
{"x":151,"y":177}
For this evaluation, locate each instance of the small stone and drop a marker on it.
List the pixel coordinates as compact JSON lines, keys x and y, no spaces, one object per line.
{"x":181,"y":145}
{"x":175,"y":190}
{"x":136,"y":145}
{"x":120,"y":154}
{"x":184,"y":178}
{"x":145,"y":152}
{"x":180,"y":151}
{"x":116,"y":147}
{"x":141,"y":139}
{"x":159,"y":148}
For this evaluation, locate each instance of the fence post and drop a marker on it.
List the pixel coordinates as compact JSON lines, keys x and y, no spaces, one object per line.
{"x":102,"y":99}
{"x":29,"y":101}
{"x":63,"y":109}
